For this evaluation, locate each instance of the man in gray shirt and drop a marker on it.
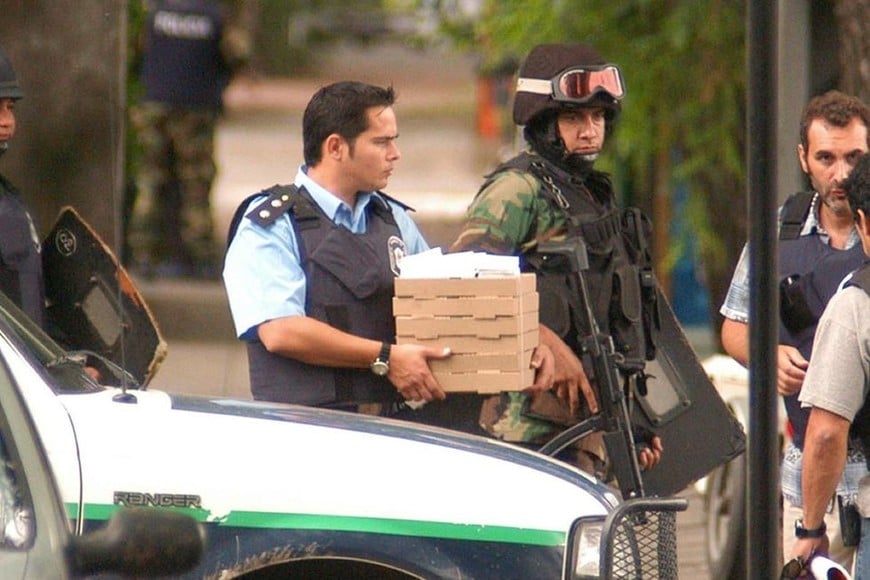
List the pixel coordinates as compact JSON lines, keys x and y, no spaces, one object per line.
{"x":818,"y":247}
{"x":836,"y":388}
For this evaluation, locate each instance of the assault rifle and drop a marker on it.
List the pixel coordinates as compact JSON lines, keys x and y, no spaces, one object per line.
{"x":613,"y":419}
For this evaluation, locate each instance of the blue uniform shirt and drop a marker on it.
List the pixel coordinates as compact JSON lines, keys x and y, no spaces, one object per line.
{"x":263,"y":274}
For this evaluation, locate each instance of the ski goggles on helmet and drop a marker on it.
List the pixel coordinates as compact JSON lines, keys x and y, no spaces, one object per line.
{"x":577,"y":85}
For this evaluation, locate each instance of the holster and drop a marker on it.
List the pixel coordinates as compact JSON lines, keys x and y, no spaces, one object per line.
{"x":795,"y":313}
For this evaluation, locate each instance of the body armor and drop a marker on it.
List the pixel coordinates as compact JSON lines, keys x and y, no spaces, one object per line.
{"x":619,"y":278}
{"x":349,"y":286}
{"x":810,"y":272}
{"x":20,"y":261}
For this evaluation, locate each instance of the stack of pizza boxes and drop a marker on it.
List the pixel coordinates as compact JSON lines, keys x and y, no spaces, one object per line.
{"x":489,"y":322}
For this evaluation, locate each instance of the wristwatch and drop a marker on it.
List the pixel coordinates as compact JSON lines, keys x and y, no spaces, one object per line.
{"x":801,"y":532}
{"x":381,"y":366}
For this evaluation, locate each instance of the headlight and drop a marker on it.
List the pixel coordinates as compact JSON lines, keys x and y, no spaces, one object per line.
{"x":584,"y":548}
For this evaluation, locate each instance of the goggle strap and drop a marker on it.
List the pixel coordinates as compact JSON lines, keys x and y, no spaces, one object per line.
{"x":536,"y":86}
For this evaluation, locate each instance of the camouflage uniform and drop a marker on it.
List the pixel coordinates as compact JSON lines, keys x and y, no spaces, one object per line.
{"x":510,"y":216}
{"x":549,"y":194}
{"x":177,"y":147}
{"x":191,"y":49}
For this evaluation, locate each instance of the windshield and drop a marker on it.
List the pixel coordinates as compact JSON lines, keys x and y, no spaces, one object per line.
{"x":66,"y":369}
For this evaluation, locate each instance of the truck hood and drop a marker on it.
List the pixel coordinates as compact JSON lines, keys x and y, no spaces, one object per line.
{"x":259,"y":463}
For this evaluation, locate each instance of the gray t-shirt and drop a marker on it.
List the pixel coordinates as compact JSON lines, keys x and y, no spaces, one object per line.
{"x":837,"y":378}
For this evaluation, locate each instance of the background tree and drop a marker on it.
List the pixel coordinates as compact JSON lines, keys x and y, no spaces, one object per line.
{"x":683,"y":123}
{"x":683,"y":120}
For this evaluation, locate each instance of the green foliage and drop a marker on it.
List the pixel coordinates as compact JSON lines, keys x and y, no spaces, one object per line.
{"x":683,"y":115}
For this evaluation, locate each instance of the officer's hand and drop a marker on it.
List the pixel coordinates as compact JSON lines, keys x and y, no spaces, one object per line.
{"x":94,"y":373}
{"x":791,"y":368}
{"x":544,"y":364}
{"x":804,"y":549}
{"x":410,"y":372}
{"x":650,"y":455}
{"x":570,"y":379}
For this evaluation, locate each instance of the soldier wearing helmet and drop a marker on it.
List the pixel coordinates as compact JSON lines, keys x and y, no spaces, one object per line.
{"x":20,"y":261}
{"x":10,"y":91}
{"x":567,"y":98}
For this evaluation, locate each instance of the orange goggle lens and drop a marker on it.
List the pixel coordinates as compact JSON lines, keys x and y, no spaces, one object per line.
{"x":577,"y":85}
{"x":580,"y":84}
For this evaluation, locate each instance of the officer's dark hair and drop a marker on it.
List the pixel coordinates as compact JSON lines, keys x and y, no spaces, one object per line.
{"x":857,"y":187}
{"x":340,"y":108}
{"x":835,"y":108}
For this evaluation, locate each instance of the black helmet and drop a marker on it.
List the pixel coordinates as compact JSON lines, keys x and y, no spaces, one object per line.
{"x":9,"y":88}
{"x":557,"y":75}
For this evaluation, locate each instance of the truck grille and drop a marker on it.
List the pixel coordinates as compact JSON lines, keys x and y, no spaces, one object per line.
{"x":640,"y":539}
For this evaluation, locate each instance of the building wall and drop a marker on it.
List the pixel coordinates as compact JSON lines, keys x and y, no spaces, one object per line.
{"x":69,"y":57}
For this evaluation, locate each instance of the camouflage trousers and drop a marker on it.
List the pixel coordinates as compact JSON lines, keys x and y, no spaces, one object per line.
{"x":171,"y":218}
{"x":504,"y":417}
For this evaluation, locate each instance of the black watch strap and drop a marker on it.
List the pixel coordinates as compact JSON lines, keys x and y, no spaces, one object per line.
{"x":801,"y":532}
{"x":381,"y":365}
{"x":384,"y":355}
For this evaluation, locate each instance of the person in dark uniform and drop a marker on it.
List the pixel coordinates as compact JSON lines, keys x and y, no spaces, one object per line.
{"x":20,"y":261}
{"x":567,"y":100}
{"x":21,"y":274}
{"x":190,"y":50}
{"x":836,"y":389}
{"x":310,"y":268}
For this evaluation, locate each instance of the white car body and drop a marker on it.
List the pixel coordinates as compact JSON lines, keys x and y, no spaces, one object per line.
{"x":281,"y":486}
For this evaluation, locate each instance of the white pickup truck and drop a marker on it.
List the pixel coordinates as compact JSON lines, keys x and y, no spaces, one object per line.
{"x":287,"y":491}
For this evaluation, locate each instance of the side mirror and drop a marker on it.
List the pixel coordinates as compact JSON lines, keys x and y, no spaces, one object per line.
{"x":140,"y":542}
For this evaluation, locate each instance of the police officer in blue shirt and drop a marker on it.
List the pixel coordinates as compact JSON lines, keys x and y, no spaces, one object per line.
{"x":309,"y":268}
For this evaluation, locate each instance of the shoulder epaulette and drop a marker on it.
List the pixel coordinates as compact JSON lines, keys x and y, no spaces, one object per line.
{"x":794,"y":214}
{"x":279,"y":200}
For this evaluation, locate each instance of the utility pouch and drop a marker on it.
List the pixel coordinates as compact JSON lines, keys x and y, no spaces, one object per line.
{"x":850,"y":522}
{"x":794,"y":310}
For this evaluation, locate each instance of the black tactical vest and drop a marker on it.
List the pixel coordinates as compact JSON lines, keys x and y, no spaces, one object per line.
{"x":810,"y":272}
{"x":20,"y":260}
{"x":620,"y":282}
{"x":349,"y":286}
{"x":182,"y":62}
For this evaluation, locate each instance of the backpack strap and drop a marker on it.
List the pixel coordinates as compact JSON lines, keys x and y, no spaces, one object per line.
{"x":794,"y":214}
{"x":861,"y":278}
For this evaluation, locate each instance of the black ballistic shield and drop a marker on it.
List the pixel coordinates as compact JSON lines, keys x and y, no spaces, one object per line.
{"x":94,"y":304}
